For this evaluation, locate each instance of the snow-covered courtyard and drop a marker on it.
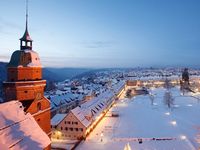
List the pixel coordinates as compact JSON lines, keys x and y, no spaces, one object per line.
{"x":155,"y":125}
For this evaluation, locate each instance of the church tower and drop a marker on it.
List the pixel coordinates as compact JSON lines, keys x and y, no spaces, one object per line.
{"x":24,"y":81}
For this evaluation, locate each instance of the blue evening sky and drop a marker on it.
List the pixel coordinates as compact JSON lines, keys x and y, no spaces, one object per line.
{"x":105,"y":33}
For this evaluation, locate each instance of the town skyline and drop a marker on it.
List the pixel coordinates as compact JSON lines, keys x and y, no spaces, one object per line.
{"x":105,"y":34}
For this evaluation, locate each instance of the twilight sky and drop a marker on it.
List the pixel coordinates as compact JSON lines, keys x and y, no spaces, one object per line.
{"x":105,"y":33}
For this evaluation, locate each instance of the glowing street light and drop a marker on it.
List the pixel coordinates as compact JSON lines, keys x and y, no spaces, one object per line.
{"x":174,"y":123}
{"x":167,"y":113}
{"x":183,"y":137}
{"x":101,"y":136}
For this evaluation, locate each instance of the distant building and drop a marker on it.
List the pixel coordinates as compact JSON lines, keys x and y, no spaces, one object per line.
{"x":63,"y":103}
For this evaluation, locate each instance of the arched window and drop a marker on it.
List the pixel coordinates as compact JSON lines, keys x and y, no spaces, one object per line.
{"x":39,"y":106}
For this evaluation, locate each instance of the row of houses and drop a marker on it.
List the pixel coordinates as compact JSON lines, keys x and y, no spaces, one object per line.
{"x":80,"y":121}
{"x":64,"y":102}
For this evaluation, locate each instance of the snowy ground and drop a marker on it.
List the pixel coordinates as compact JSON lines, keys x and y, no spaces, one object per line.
{"x":158,"y":126}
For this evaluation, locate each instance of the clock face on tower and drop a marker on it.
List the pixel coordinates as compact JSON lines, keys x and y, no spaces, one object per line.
{"x":38,"y":96}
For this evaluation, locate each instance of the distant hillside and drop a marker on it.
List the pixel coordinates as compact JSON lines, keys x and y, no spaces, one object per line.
{"x":49,"y":74}
{"x":2,"y":75}
{"x":66,"y":73}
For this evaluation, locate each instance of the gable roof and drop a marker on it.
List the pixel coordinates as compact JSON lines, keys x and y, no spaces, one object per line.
{"x":19,"y":130}
{"x":77,"y":112}
{"x":57,"y":119}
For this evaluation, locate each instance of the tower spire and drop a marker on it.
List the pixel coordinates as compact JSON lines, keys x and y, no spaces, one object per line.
{"x":26,"y":14}
{"x":26,"y":41}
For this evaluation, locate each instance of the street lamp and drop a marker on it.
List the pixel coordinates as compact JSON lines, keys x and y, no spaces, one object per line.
{"x":183,"y":137}
{"x":173,"y":123}
{"x":101,"y":136}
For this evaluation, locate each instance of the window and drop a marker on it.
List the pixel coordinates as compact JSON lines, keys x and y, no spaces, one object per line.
{"x":97,"y":109}
{"x":81,"y":129}
{"x":76,"y":129}
{"x":66,"y":128}
{"x":23,"y":43}
{"x":75,"y":123}
{"x":65,"y":122}
{"x":94,"y":111}
{"x":68,"y":122}
{"x":61,"y":128}
{"x":39,"y":106}
{"x":38,"y":119}
{"x":25,"y":91}
{"x":71,"y":129}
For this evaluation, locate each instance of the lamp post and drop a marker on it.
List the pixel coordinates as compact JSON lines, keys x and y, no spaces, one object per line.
{"x":101,"y":136}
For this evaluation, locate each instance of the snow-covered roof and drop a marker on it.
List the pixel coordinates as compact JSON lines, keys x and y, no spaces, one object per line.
{"x":32,"y":59}
{"x":88,"y":111}
{"x":57,"y":119}
{"x":78,"y":113}
{"x":18,"y":130}
{"x":61,"y":99}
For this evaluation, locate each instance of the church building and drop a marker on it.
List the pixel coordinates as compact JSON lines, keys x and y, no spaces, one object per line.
{"x":25,"y":84}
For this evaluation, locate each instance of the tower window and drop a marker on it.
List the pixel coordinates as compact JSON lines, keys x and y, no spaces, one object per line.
{"x":23,"y":43}
{"x":39,"y":106}
{"x":25,"y":91}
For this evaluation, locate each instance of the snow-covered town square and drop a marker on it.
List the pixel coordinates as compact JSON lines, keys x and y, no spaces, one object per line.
{"x":144,"y":124}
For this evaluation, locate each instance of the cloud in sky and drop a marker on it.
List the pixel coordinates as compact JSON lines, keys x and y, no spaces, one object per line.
{"x":98,"y":44}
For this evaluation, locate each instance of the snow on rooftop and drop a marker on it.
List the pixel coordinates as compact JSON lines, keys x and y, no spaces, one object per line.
{"x":61,"y":99}
{"x":80,"y":116}
{"x":93,"y":108}
{"x":35,"y":60}
{"x":18,"y":130}
{"x":57,"y":119}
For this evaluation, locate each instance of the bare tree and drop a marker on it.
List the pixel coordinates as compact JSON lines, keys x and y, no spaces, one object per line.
{"x":151,"y":97}
{"x":168,"y":99}
{"x":167,"y":84}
